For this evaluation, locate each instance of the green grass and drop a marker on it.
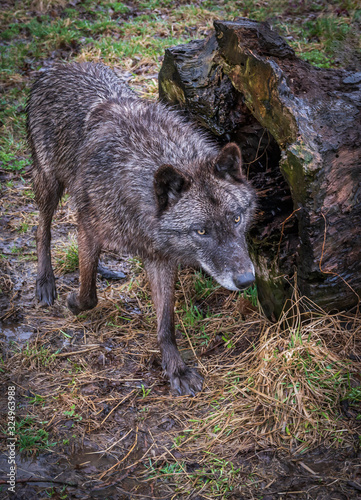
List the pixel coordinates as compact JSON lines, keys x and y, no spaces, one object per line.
{"x":9,"y":161}
{"x":67,"y":257}
{"x":119,"y":7}
{"x":23,"y":227}
{"x":13,"y":155}
{"x":192,"y":315}
{"x":72,"y":414}
{"x":354,"y":394}
{"x":39,"y":355}
{"x":144,"y":391}
{"x":31,"y":436}
{"x":251,"y":295}
{"x":204,"y":285}
{"x":37,"y":400}
{"x":218,"y":477}
{"x":317,"y":58}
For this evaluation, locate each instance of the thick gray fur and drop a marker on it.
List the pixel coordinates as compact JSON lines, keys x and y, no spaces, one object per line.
{"x":144,"y":181}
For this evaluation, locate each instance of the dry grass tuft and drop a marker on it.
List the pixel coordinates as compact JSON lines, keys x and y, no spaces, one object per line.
{"x":44,"y":6}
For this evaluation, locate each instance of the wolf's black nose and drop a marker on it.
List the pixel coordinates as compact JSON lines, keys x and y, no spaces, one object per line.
{"x":243,"y":281}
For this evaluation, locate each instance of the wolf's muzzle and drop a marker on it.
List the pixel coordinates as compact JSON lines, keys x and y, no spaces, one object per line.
{"x":243,"y":281}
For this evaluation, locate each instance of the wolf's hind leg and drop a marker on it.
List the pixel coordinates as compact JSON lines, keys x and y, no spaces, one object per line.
{"x":48,"y":192}
{"x":89,"y":251}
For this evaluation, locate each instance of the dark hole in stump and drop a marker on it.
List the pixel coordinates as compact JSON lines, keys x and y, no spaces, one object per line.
{"x":275,"y":231}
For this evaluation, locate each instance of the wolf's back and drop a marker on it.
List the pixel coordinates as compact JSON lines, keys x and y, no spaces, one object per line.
{"x":59,"y":103}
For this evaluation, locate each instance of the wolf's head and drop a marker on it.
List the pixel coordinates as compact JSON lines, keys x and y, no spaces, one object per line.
{"x":204,"y":212}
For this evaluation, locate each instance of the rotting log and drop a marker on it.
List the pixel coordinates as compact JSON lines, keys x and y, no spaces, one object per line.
{"x":299,"y":128}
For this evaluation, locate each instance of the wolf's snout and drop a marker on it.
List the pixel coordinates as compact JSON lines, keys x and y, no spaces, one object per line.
{"x":243,"y":280}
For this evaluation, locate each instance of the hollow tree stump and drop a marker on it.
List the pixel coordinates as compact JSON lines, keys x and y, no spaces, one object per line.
{"x":299,"y":129}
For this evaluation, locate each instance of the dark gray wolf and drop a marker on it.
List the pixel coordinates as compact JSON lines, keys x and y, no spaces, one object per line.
{"x":143,"y":180}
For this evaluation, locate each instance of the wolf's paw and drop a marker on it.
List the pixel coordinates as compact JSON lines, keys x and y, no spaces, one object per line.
{"x":73,"y":303}
{"x":76,"y":307}
{"x":46,"y":289}
{"x":188,"y":382}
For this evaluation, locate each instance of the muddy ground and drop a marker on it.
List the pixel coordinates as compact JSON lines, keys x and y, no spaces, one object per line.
{"x":95,"y":417}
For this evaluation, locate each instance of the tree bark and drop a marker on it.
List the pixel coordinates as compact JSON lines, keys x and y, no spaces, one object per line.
{"x":299,"y":128}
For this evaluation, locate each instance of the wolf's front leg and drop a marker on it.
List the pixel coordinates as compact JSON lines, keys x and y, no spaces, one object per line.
{"x":162,"y":277}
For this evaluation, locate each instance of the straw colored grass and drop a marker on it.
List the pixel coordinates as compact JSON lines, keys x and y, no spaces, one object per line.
{"x":44,"y":6}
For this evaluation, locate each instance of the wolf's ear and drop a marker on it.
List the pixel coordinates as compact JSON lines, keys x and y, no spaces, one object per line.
{"x":169,"y":185}
{"x":229,"y":163}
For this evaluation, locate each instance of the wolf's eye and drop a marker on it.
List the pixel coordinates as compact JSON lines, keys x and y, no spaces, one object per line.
{"x":201,"y":232}
{"x":237,"y":219}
